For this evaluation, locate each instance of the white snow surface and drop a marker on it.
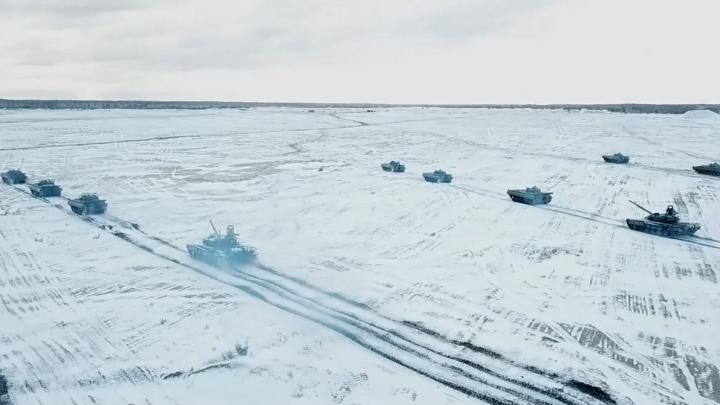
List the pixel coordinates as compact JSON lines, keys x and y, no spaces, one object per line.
{"x":701,"y":114}
{"x":359,"y":270}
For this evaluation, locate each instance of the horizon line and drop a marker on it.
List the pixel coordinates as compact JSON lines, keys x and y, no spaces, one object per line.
{"x":344,"y":103}
{"x":78,"y":104}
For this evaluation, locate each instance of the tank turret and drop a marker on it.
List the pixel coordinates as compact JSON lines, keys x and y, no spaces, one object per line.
{"x":14,"y":176}
{"x":663,"y":224}
{"x":712,"y":169}
{"x":530,"y":195}
{"x":616,"y":158}
{"x":218,"y":249}
{"x":393,"y":166}
{"x":45,"y":188}
{"x":437,"y":176}
{"x":88,"y":204}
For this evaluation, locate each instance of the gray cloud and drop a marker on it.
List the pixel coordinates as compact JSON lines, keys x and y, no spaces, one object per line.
{"x":472,"y":19}
{"x":288,"y":33}
{"x":92,"y":46}
{"x":60,"y":8}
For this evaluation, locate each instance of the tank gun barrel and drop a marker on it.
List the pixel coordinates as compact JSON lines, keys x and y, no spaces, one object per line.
{"x":213,"y":228}
{"x":640,"y":206}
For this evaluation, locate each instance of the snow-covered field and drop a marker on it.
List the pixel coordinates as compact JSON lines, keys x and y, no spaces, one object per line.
{"x":371,"y":287}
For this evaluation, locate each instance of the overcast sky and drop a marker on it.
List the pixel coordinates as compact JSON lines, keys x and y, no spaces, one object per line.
{"x":421,"y":51}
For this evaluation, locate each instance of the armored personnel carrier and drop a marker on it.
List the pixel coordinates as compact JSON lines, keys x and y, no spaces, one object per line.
{"x":393,"y":166}
{"x":45,"y":188}
{"x":712,"y":169}
{"x":14,"y":176}
{"x":87,"y":204}
{"x":667,"y":224}
{"x":220,"y":250}
{"x":616,"y":158}
{"x":530,"y":195}
{"x":437,"y":176}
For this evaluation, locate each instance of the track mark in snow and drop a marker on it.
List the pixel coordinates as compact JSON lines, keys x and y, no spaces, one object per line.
{"x":594,"y":217}
{"x":406,"y":349}
{"x":652,"y":306}
{"x":167,"y":138}
{"x":209,"y":135}
{"x":361,"y":123}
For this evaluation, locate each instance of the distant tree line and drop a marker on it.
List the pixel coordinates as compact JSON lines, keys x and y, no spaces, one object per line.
{"x":201,"y":105}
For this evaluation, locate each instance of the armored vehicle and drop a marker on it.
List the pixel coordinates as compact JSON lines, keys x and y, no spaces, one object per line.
{"x":437,"y":176}
{"x":87,"y":204}
{"x":667,"y":224}
{"x":530,"y":195}
{"x":393,"y":166}
{"x":616,"y":158}
{"x":221,"y":250}
{"x":14,"y":176}
{"x":712,"y":169}
{"x":45,"y":188}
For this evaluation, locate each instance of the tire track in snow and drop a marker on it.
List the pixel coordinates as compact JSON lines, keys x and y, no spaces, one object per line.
{"x":264,"y":289}
{"x":361,"y":123}
{"x":402,"y":344}
{"x":514,"y":152}
{"x":34,"y":359}
{"x":481,"y":359}
{"x":591,"y":216}
{"x":166,"y":138}
{"x":453,"y":371}
{"x":355,"y":124}
{"x":373,"y":341}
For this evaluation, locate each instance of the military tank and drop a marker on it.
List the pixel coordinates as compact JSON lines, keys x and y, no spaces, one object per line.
{"x":88,"y":204}
{"x":45,"y":188}
{"x":712,"y":169}
{"x":220,"y":250}
{"x":14,"y":176}
{"x":616,"y":158}
{"x":437,"y":176}
{"x":666,"y":224}
{"x":530,"y":195}
{"x":393,"y":166}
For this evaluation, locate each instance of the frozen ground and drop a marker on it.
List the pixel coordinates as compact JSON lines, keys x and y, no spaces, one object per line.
{"x":372,"y":287}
